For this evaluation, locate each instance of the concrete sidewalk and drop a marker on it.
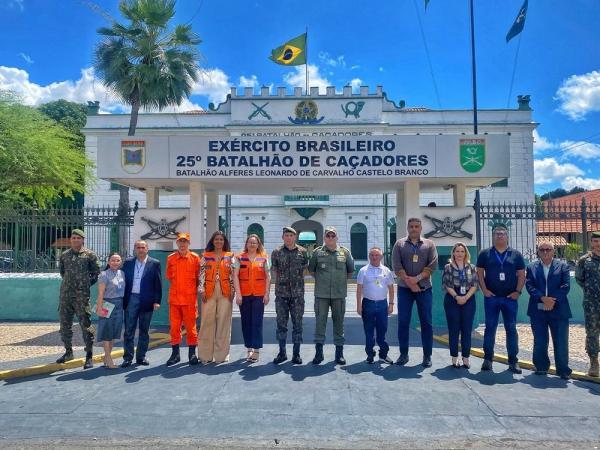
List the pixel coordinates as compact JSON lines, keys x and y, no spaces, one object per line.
{"x":326,"y":406}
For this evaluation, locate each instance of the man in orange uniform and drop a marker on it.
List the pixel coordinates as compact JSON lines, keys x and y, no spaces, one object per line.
{"x":183,"y":271}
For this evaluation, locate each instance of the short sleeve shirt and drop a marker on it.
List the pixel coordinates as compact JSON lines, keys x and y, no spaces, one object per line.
{"x":495,"y":264}
{"x":114,"y":282}
{"x":375,"y":281}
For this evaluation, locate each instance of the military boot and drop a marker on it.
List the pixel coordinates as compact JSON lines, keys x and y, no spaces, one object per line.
{"x":174,"y":358}
{"x":339,"y":355}
{"x":68,"y":356}
{"x":193,"y":359}
{"x":89,"y":362}
{"x":296,"y":356}
{"x":594,"y":367}
{"x":318,"y":359}
{"x":282,"y":355}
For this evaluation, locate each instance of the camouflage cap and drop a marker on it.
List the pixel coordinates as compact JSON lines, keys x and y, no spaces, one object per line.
{"x":330,"y":229}
{"x":77,"y":232}
{"x":183,"y":236}
{"x":289,"y":230}
{"x":596,"y":235}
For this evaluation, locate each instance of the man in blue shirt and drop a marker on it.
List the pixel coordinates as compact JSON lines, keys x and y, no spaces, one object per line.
{"x":501,"y":272}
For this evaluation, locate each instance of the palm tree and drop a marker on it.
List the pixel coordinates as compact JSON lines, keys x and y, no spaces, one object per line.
{"x":145,"y":64}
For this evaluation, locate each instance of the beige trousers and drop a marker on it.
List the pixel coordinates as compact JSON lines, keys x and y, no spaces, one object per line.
{"x":214,"y":337}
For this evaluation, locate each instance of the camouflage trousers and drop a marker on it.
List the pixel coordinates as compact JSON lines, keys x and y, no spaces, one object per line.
{"x":591,"y":312}
{"x":79,"y":306}
{"x":286,"y":307}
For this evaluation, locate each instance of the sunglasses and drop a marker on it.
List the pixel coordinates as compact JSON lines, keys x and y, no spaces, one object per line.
{"x":330,"y":235}
{"x":545,"y":249}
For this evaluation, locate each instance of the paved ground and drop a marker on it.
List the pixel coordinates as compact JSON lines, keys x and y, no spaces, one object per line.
{"x":327,"y":406}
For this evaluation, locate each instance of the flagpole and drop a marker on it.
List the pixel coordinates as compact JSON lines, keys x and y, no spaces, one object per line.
{"x":306,"y":55}
{"x":474,"y":76}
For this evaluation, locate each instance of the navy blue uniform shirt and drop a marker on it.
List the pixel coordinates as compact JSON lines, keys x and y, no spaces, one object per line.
{"x":494,"y":263}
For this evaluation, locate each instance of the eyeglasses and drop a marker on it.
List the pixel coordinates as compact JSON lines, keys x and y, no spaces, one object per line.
{"x":330,"y":235}
{"x":545,"y":249}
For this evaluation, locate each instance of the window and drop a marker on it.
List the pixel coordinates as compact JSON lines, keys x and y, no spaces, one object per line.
{"x":257,"y":229}
{"x":358,"y":241}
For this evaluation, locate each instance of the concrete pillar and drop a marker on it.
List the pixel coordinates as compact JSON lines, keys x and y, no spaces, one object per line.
{"x":407,"y":205}
{"x":212,"y":213}
{"x":459,"y":192}
{"x":197,"y":232}
{"x":152,"y":198}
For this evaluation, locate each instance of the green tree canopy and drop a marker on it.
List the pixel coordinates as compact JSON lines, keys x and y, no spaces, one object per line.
{"x":70,"y":115}
{"x":560,"y":192}
{"x":39,"y":159}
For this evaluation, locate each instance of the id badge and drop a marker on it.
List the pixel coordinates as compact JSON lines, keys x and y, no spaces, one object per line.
{"x":415,"y":258}
{"x":463,"y":290}
{"x":502,"y":276}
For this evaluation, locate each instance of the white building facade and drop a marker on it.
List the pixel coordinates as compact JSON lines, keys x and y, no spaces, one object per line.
{"x":363,"y":208}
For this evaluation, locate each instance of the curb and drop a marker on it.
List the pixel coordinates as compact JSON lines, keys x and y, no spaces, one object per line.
{"x":160,"y":339}
{"x":575,"y":375}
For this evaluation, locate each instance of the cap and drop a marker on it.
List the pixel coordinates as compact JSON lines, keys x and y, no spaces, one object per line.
{"x":330,"y":229}
{"x":499,"y":226}
{"x":289,"y":230}
{"x":181,"y":236}
{"x":77,"y":232}
{"x":595,"y":234}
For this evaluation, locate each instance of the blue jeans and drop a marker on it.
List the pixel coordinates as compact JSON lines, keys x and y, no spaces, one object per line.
{"x":559,"y":328}
{"x":375,"y":321}
{"x":251,"y":311}
{"x":133,"y":316}
{"x":508,"y":307}
{"x":406,"y":298}
{"x":460,"y":323}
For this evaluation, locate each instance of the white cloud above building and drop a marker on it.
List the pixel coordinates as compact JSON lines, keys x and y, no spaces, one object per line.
{"x":579,"y":95}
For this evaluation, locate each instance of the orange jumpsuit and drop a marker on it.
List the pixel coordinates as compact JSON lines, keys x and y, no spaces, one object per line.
{"x":183,"y":273}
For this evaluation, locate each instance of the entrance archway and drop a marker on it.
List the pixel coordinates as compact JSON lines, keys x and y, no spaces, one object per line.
{"x":310,"y":234}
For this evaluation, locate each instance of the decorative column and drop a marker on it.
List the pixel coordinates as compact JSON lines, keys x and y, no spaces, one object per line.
{"x":152,"y":198}
{"x":212,"y":213}
{"x":197,"y":231}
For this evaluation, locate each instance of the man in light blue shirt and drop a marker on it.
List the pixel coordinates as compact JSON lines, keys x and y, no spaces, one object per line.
{"x":375,"y":284}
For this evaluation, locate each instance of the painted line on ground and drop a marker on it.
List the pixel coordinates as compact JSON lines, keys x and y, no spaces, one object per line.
{"x":443,"y":339}
{"x":159,"y":339}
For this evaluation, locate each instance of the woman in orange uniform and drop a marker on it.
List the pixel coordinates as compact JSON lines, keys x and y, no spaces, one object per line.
{"x":216,"y":292}
{"x":251,"y":279}
{"x":183,"y":272}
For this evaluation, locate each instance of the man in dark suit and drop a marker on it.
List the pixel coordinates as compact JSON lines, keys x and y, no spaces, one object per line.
{"x":548,"y":283}
{"x":143,"y":292}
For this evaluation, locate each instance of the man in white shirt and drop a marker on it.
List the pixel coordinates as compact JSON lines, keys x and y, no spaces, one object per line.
{"x":375,"y":284}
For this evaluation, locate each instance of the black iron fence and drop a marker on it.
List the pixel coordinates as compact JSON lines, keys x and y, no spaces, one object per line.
{"x":566,"y":224}
{"x":32,"y":239}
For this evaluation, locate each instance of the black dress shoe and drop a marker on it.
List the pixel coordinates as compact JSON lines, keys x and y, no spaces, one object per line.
{"x":296,"y":360}
{"x":565,"y":376}
{"x":426,"y":361}
{"x":487,"y":365}
{"x":402,"y":360}
{"x":126,"y":363}
{"x":514,"y":368}
{"x":370,"y":359}
{"x":142,"y":362}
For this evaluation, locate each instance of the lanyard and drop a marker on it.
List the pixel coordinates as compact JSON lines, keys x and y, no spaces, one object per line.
{"x":462,"y":275}
{"x":501,"y":260}
{"x":415,"y":247}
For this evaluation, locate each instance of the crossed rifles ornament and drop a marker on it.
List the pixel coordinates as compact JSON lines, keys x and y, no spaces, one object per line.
{"x":448,"y":227}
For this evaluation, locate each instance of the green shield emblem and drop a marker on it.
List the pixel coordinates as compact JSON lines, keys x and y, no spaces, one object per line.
{"x":472,"y":154}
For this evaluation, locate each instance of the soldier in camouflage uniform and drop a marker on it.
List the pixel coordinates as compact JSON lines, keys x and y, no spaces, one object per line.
{"x":288,"y":262}
{"x":587,"y":275}
{"x":79,"y":269}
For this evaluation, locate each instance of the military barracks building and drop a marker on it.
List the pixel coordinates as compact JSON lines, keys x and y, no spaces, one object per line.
{"x":358,"y":161}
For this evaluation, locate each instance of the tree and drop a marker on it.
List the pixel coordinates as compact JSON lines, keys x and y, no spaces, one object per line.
{"x":146,"y":64}
{"x":71,"y":116}
{"x":39,"y":160}
{"x":560,"y":192}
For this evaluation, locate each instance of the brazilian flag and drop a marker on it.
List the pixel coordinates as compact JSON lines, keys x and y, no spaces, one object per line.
{"x":292,"y":53}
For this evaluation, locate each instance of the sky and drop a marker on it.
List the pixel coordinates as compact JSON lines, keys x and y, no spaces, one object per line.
{"x":418,"y":55}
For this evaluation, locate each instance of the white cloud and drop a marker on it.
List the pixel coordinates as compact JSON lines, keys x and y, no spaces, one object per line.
{"x":579,"y":95}
{"x":16,"y":4}
{"x":540,"y":143}
{"x":85,"y":88}
{"x":580,"y":149}
{"x":298,"y":78}
{"x":214,"y":84}
{"x":354,"y":67}
{"x":332,"y":60}
{"x":356,"y":83}
{"x":248,"y":82}
{"x":548,"y":170}
{"x":586,"y":183}
{"x":381,"y":69}
{"x":27,"y":58}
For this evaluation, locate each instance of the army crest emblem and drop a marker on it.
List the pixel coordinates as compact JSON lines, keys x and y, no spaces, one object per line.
{"x":472,"y":154}
{"x":306,"y":113}
{"x":133,"y":156}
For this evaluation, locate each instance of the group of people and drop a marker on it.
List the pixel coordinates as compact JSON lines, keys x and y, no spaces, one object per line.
{"x":130,"y":291}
